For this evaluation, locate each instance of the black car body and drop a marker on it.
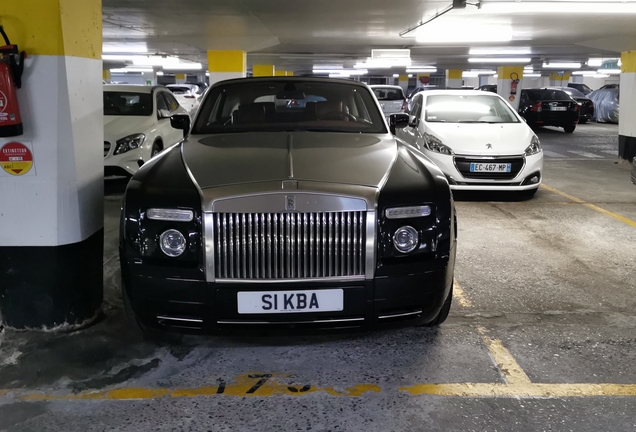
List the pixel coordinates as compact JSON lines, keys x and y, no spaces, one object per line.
{"x":271,"y":211}
{"x":549,"y":107}
{"x":488,"y":87}
{"x":587,"y":106}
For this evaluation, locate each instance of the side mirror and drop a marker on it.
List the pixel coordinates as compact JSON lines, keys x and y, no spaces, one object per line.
{"x":398,"y":121}
{"x":181,"y":121}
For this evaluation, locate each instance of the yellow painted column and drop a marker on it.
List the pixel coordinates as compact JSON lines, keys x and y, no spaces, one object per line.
{"x":180,"y":78}
{"x":224,"y":65}
{"x":505,"y":88}
{"x":59,"y":169}
{"x":263,"y":70}
{"x":280,"y":73}
{"x":560,"y":79}
{"x":106,"y":75}
{"x":454,"y":78}
{"x":626,"y":123}
{"x":290,"y":73}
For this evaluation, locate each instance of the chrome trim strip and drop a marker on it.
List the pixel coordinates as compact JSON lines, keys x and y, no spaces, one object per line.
{"x":208,"y":235}
{"x":370,"y":246}
{"x":167,"y":318}
{"x":400,"y":315}
{"x":296,"y":280}
{"x":290,"y":147}
{"x":291,"y":322}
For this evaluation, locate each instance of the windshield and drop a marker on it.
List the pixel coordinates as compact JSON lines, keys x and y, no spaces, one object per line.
{"x":546,"y":94}
{"x":388,"y":93}
{"x":127,"y":103}
{"x":573,"y":92}
{"x":289,"y":105}
{"x":468,"y":109}
{"x":181,"y":90}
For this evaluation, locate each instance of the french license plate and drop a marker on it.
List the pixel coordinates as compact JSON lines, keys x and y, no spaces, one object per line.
{"x":489,"y":167}
{"x":557,"y":108}
{"x":260,"y":302}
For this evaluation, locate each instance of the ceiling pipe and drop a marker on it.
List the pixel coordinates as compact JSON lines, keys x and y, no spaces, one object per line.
{"x":457,"y":4}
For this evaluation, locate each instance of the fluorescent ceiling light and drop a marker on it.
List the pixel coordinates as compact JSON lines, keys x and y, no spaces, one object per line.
{"x":532,"y":75}
{"x":130,"y":70}
{"x":609,"y":71}
{"x":383,"y":63}
{"x":562,"y":65}
{"x":567,"y":7}
{"x":477,"y":72}
{"x":341,"y":71}
{"x":410,"y":75}
{"x":390,"y":54}
{"x":584,"y":73}
{"x":159,"y":73}
{"x":500,"y":51}
{"x":135,"y":48}
{"x":499,"y":60}
{"x":421,"y":70}
{"x":462,"y":32}
{"x":396,"y":75}
{"x":184,"y":66}
{"x":600,"y":76}
{"x":339,"y":75}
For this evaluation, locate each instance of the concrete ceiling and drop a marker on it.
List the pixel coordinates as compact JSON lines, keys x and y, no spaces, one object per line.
{"x":295,"y":35}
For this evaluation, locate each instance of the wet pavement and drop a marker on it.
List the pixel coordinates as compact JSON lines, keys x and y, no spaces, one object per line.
{"x":541,"y":335}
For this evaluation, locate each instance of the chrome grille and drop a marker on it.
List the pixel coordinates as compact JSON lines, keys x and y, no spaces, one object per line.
{"x":289,"y":245}
{"x":106,"y":148}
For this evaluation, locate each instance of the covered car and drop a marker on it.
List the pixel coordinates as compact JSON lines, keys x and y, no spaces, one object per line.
{"x":279,"y":216}
{"x":606,"y":105}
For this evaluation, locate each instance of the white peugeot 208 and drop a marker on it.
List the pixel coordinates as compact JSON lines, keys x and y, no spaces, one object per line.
{"x":476,"y":139}
{"x":137,"y":126}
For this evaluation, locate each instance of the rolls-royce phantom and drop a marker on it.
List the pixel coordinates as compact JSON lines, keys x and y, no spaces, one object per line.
{"x":289,"y":203}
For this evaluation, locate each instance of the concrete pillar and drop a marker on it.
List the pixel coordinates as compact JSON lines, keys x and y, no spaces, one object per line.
{"x":180,"y":78}
{"x":626,"y":120}
{"x":52,"y":218}
{"x":263,"y":70}
{"x":454,"y":78}
{"x":150,"y":78}
{"x":403,"y":81}
{"x":224,"y":65}
{"x":505,"y":78}
{"x":106,"y":75}
{"x":559,"y":79}
{"x":280,"y":73}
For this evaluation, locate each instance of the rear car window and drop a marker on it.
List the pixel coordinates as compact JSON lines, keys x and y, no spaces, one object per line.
{"x":388,"y":93}
{"x":546,"y":94}
{"x":127,"y":103}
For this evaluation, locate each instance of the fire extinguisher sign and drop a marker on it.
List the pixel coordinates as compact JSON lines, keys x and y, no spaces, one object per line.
{"x":16,"y":158}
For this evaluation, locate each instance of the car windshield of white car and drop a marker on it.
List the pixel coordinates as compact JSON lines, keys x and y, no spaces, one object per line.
{"x":388,"y":93}
{"x":468,"y":109}
{"x":180,"y":90}
{"x":285,"y":105}
{"x":127,"y":103}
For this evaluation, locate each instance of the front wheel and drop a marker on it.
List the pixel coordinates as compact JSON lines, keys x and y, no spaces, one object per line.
{"x":156,"y":149}
{"x":443,"y":313}
{"x":569,"y":129}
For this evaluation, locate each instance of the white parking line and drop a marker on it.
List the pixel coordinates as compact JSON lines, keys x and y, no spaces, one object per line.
{"x":585,"y":154}
{"x":553,"y":154}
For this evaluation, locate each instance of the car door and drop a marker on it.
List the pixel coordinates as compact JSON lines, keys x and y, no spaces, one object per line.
{"x":172,"y":135}
{"x":411,"y":133}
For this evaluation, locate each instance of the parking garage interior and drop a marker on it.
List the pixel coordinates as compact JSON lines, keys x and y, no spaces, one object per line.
{"x":541,"y":330}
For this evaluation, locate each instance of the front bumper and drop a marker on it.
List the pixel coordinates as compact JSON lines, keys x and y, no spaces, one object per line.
{"x":130,"y":162}
{"x":533,"y":166}
{"x":171,"y":304}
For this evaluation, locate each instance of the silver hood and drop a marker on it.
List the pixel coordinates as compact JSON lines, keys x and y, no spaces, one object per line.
{"x":258,"y":157}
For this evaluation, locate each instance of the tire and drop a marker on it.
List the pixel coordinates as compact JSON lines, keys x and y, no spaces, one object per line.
{"x":443,"y":313}
{"x":582,"y":121}
{"x":569,"y":129}
{"x":156,"y":149}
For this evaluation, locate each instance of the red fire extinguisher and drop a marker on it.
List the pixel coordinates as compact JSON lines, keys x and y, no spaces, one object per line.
{"x":513,"y":84}
{"x":10,"y":79}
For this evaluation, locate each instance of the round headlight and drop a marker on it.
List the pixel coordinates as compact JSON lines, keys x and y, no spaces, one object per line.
{"x":172,"y":243}
{"x":405,"y":239}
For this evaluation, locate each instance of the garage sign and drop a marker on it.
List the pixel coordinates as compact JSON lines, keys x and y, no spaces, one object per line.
{"x":16,"y":158}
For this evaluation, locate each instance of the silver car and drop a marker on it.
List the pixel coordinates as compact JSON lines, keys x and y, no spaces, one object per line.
{"x":391,"y":98}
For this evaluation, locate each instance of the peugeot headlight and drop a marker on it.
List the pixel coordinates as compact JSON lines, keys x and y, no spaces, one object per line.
{"x":129,"y":143}
{"x":436,"y":145}
{"x":534,"y":147}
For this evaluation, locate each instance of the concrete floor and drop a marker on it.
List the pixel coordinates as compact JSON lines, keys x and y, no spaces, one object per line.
{"x":541,"y":336}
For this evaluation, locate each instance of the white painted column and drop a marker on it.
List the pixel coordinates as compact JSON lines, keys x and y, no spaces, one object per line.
{"x":627,"y":117}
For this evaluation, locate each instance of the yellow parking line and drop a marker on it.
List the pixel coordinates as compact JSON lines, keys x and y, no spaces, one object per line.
{"x":510,"y":369}
{"x":591,"y":206}
{"x":522,"y":390}
{"x":460,"y":295}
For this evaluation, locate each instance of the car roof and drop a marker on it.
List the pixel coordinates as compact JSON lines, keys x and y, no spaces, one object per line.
{"x":182,"y":85}
{"x":459,"y":92}
{"x":386,"y":86}
{"x":133,"y":88}
{"x":240,"y":81}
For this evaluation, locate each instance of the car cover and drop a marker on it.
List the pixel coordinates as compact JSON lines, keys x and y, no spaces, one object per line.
{"x":605,"y":105}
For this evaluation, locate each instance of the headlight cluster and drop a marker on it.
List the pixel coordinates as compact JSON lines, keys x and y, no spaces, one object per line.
{"x":406,"y":239}
{"x":129,"y":143}
{"x":534,"y":147}
{"x":434,"y":144}
{"x":172,"y":243}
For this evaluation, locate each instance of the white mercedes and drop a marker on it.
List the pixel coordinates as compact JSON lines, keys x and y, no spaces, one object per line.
{"x":137,"y":126}
{"x":476,"y":139}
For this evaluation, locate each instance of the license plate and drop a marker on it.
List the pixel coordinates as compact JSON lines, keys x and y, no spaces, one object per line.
{"x":489,"y":167}
{"x":261,"y":302}
{"x":558,"y":108}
